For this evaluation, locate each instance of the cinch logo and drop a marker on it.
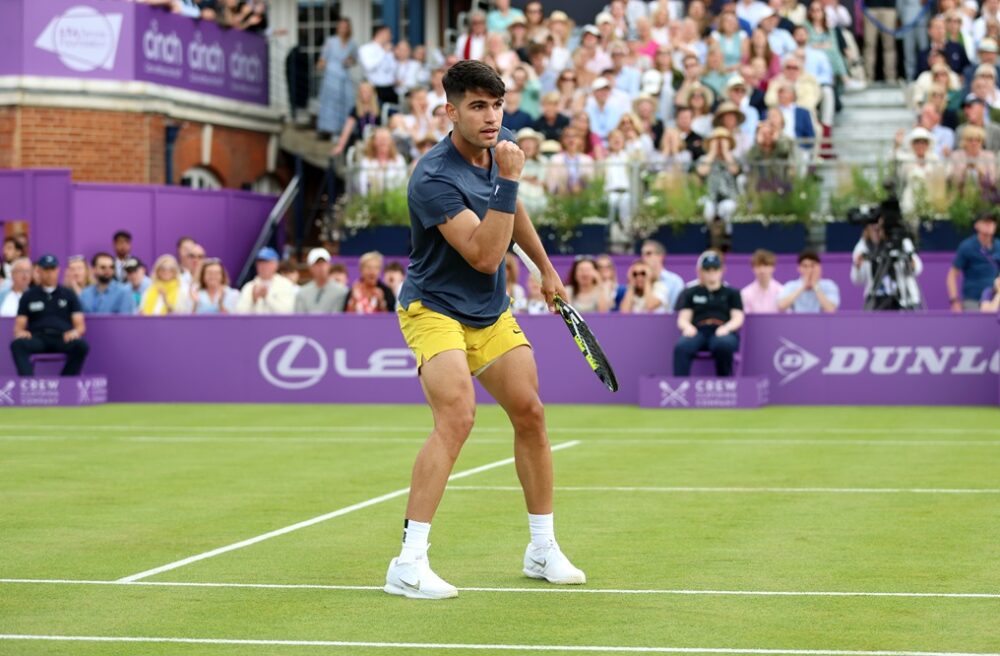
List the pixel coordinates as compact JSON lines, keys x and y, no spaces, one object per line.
{"x":165,"y":48}
{"x":791,"y":361}
{"x":675,"y":397}
{"x":200,"y":57}
{"x":286,"y":369}
{"x":245,"y":68}
{"x":83,"y":38}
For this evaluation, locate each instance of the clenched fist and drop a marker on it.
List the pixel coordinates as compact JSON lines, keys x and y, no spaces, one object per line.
{"x":510,"y":160}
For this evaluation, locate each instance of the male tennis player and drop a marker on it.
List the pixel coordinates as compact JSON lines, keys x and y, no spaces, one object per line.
{"x":454,"y":315}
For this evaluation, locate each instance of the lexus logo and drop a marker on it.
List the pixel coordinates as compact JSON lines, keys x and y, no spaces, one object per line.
{"x":293,"y":362}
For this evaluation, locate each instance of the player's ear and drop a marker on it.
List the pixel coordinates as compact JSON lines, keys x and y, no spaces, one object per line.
{"x":452,"y":112}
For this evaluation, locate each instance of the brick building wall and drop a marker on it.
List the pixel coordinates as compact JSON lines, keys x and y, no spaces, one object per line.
{"x":123,"y":147}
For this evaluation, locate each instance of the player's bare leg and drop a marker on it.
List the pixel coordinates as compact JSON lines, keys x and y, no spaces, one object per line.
{"x":513,"y":381}
{"x":448,"y":388}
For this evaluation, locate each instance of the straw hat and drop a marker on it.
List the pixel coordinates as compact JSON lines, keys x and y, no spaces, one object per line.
{"x":721,"y":133}
{"x":728,"y":108}
{"x":550,"y":147}
{"x":684,"y":97}
{"x":529,"y":133}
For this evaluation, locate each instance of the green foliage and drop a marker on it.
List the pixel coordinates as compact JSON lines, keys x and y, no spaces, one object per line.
{"x":565,"y":212}
{"x":670,"y":201}
{"x":968,"y":201}
{"x":795,"y":204}
{"x":860,"y":186}
{"x":378,"y":208}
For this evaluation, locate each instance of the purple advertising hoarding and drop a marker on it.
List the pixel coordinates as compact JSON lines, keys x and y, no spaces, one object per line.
{"x":113,"y":40}
{"x":849,"y":358}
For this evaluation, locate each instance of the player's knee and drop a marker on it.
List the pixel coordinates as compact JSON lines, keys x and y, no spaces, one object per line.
{"x":455,"y":429}
{"x":529,"y":417}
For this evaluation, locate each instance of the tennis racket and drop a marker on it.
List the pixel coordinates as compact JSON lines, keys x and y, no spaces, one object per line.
{"x":578,"y":328}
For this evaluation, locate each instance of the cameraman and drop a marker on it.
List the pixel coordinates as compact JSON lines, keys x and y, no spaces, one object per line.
{"x":892,"y":258}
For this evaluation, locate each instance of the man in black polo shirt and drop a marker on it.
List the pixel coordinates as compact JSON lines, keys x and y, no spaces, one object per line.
{"x":708,"y":315}
{"x":49,"y":320}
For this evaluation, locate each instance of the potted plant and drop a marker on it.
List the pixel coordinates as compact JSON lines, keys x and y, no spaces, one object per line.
{"x":671,"y":213}
{"x":576,"y":222}
{"x":376,"y":221}
{"x":856,"y":187}
{"x":776,"y":217}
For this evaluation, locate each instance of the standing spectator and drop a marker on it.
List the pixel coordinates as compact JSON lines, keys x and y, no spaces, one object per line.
{"x":408,"y":69}
{"x":472,"y":44}
{"x":436,"y":97}
{"x":914,"y":40}
{"x":761,"y":296}
{"x":883,"y":11}
{"x":136,"y":280}
{"x":500,"y":18}
{"x":369,"y":295}
{"x":811,"y":293}
{"x":382,"y":167}
{"x":267,"y":293}
{"x":122,"y":243}
{"x":364,"y":117}
{"x":49,"y":320}
{"x":13,"y":249}
{"x":653,"y":255}
{"x":336,"y":96}
{"x":106,"y":295}
{"x":971,"y":163}
{"x":322,"y":294}
{"x":584,"y":287}
{"x":978,"y":262}
{"x":167,"y":294}
{"x":709,"y":316}
{"x":990,"y":300}
{"x":20,"y":280}
{"x":379,"y":64}
{"x":214,"y":295}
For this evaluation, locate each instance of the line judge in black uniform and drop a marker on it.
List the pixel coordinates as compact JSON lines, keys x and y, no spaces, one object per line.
{"x":49,"y":320}
{"x":709,"y":315}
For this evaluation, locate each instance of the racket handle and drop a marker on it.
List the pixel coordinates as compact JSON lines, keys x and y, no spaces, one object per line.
{"x":532,"y":267}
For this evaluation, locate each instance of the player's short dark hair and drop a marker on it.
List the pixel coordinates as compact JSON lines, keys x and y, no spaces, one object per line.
{"x":97,"y":256}
{"x":471,"y":75}
{"x":122,"y":234}
{"x":808,"y":255}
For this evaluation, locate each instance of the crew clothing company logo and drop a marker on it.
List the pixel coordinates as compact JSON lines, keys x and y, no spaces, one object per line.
{"x":283,"y":363}
{"x":83,"y":38}
{"x":674,"y":397}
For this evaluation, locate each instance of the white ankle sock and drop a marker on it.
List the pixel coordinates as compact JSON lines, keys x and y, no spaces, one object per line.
{"x":542,"y":530}
{"x":414,"y":540}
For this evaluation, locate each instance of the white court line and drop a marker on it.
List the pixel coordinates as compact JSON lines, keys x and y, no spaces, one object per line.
{"x":515,"y":590}
{"x":653,"y":430}
{"x":740,"y":490}
{"x":596,"y":439}
{"x":481,"y":647}
{"x":316,"y":520}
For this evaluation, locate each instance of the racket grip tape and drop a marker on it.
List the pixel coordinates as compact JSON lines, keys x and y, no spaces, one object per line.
{"x":532,"y":267}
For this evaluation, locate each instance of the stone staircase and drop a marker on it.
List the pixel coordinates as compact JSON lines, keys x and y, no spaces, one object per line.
{"x":865,"y":128}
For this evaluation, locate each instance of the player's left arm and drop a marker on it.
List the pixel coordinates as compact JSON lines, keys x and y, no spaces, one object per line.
{"x":527,"y":238}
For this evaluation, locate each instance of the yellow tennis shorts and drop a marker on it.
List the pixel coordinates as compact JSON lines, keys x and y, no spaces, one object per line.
{"x":428,"y":333}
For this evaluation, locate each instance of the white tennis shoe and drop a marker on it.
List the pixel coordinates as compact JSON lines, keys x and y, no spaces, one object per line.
{"x":416,"y":580}
{"x":551,"y":564}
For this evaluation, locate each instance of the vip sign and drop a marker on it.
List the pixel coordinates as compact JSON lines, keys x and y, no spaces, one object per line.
{"x":83,"y":38}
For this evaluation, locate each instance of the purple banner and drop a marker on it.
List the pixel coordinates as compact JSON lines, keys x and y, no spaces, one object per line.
{"x":114,"y":40}
{"x":850,"y":358}
{"x":53,"y":391}
{"x":667,"y":392}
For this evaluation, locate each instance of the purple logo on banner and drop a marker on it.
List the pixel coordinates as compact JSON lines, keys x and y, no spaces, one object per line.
{"x":663,"y":392}
{"x":43,"y":391}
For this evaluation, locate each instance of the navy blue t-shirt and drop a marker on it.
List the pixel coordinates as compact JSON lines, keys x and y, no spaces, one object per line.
{"x":979,"y":266}
{"x":443,"y":185}
{"x":49,"y":313}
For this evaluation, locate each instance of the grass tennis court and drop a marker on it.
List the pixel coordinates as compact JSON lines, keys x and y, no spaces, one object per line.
{"x":685,"y":522}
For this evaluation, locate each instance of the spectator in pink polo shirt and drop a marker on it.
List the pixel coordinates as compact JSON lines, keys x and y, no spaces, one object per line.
{"x":761,"y":296}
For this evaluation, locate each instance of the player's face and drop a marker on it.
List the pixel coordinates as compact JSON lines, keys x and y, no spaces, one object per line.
{"x":477,"y":118}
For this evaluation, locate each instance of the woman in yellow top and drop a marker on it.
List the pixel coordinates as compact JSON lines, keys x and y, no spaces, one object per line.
{"x":166,"y":294}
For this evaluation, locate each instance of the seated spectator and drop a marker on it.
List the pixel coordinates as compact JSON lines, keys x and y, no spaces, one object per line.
{"x":990,"y":300}
{"x":731,"y":117}
{"x":709,"y":316}
{"x":472,"y":44}
{"x":106,"y":295}
{"x":583,"y":284}
{"x":514,"y":118}
{"x":570,"y":170}
{"x":716,"y":76}
{"x":20,"y":281}
{"x":167,"y":293}
{"x":394,"y":276}
{"x":811,"y":293}
{"x":77,"y":274}
{"x":975,"y":114}
{"x":699,"y":99}
{"x":13,"y":249}
{"x":609,"y":281}
{"x":122,"y":244}
{"x":593,"y":145}
{"x":213,"y":294}
{"x":338,"y":273}
{"x":770,"y":163}
{"x":369,"y":295}
{"x":267,"y":293}
{"x":49,"y":320}
{"x":418,"y":121}
{"x":918,"y":170}
{"x":654,"y":255}
{"x":382,"y":167}
{"x":500,"y":18}
{"x":365,"y":116}
{"x":733,"y":42}
{"x":603,"y":114}
{"x":136,"y":279}
{"x":289,"y":271}
{"x":972,"y":163}
{"x":682,"y":145}
{"x":760,"y":49}
{"x":535,"y":302}
{"x":886,"y":293}
{"x":551,"y":123}
{"x":322,"y":294}
{"x":798,"y":123}
{"x":719,"y":168}
{"x":518,"y":299}
{"x":644,"y":108}
{"x":617,"y":185}
{"x":761,"y":296}
{"x":977,"y":261}
{"x":806,"y":88}
{"x":644,"y":292}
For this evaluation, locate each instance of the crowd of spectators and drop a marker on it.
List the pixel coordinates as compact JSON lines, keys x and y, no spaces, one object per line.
{"x":250,"y":15}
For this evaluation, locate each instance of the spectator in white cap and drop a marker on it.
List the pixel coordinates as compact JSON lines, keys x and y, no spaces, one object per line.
{"x":267,"y":293}
{"x":987,"y":57}
{"x":595,"y":58}
{"x":917,"y":168}
{"x":604,"y":115}
{"x":322,"y":294}
{"x":737,"y":93}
